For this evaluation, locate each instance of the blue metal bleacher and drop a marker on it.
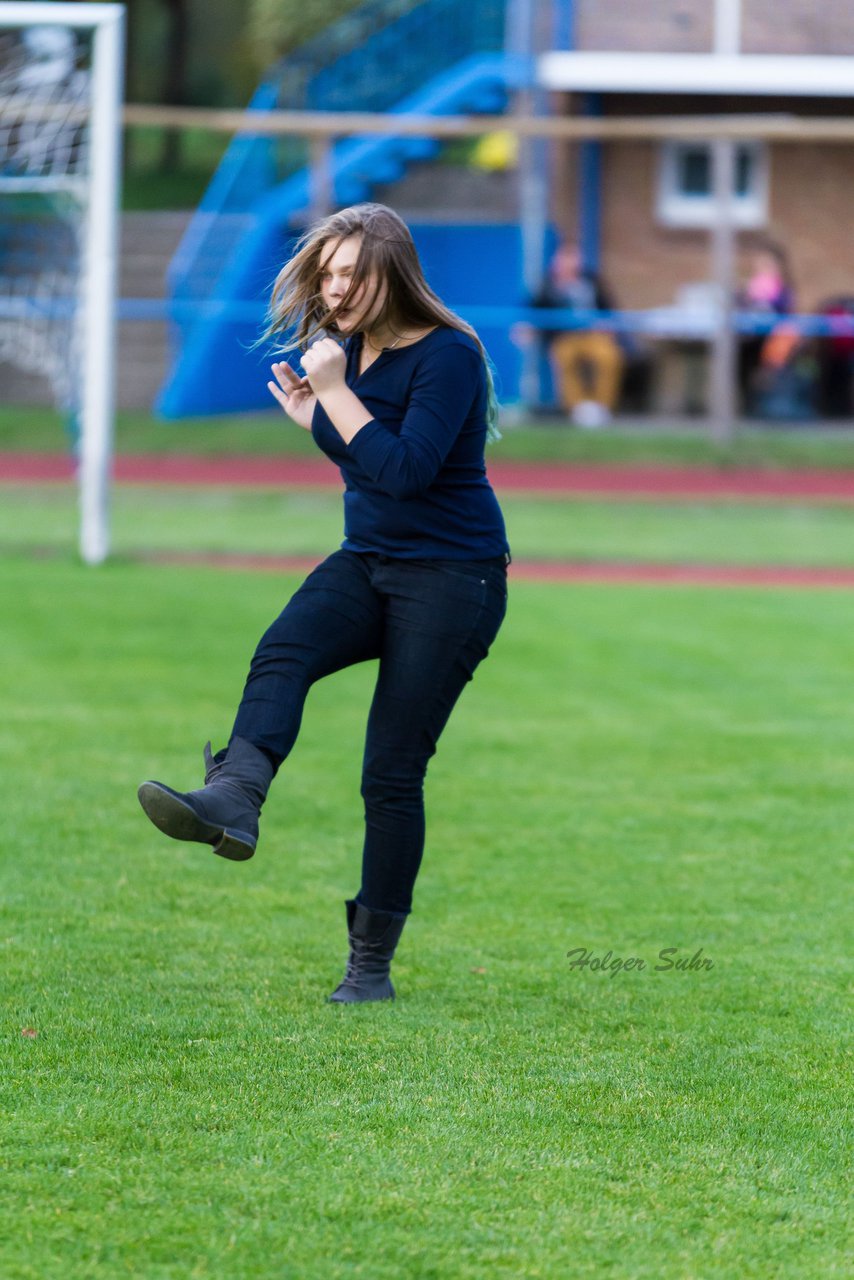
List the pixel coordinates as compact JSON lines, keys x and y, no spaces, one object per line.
{"x":258,"y":201}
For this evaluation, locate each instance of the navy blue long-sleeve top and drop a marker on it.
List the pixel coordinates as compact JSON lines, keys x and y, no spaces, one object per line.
{"x":414,"y":476}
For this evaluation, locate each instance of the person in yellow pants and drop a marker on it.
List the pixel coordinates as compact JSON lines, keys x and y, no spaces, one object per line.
{"x":588,"y":364}
{"x":589,"y":370}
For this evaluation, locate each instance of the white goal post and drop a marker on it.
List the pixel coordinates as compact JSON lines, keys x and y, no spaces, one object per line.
{"x":60,"y":141}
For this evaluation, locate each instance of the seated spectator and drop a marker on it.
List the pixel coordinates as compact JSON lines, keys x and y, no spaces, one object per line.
{"x":784,"y":388}
{"x":588,"y":364}
{"x":836,"y":362}
{"x":768,"y":292}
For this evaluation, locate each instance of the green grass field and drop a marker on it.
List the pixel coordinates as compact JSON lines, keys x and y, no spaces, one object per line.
{"x":147,"y":519}
{"x":633,"y":769}
{"x":830,"y":445}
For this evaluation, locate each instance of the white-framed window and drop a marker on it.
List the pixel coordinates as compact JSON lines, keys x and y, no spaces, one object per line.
{"x":685,"y":195}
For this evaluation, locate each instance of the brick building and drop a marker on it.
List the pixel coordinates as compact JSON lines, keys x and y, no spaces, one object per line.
{"x":643,"y":209}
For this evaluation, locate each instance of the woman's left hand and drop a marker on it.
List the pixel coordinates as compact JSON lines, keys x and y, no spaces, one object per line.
{"x":325,"y":365}
{"x":293,"y":394}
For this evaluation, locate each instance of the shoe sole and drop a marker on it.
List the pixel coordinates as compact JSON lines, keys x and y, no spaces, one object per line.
{"x":175,"y":818}
{"x":349,"y":996}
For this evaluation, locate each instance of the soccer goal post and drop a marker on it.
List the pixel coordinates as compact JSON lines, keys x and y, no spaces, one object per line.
{"x":61,"y":76}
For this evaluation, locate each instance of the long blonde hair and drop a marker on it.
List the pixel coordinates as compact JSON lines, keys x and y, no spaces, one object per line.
{"x":387,"y":253}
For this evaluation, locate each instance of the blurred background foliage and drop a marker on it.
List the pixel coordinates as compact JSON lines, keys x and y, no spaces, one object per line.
{"x":210,"y":53}
{"x":213,"y":52}
{"x":276,"y":27}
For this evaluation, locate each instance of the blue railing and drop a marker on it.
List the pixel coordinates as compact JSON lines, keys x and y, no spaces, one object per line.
{"x":654,"y":322}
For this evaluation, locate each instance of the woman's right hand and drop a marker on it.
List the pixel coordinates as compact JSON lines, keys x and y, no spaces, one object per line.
{"x":294,"y":394}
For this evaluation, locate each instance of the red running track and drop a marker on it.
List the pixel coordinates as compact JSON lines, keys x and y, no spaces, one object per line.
{"x":556,"y":479}
{"x":543,"y":478}
{"x":600,"y":572}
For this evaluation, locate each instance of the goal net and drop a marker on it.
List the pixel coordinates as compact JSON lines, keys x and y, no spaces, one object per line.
{"x":60,"y":84}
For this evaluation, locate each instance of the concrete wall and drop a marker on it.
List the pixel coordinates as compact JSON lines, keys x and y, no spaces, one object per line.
{"x":652,"y":26}
{"x":798,"y":26}
{"x":811,"y":198}
{"x":811,"y":187}
{"x":687,"y":26}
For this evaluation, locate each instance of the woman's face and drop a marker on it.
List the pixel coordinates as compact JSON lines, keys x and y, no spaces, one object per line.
{"x":337,"y":267}
{"x":566,"y":264}
{"x":766,"y":264}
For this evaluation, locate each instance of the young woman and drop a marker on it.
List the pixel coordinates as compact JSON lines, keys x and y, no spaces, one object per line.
{"x":404,"y":409}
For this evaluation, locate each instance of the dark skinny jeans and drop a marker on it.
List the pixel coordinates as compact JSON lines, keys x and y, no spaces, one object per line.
{"x":430,"y":622}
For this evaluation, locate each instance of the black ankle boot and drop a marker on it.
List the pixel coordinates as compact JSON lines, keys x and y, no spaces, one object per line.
{"x":223,"y":813}
{"x":374,"y":936}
